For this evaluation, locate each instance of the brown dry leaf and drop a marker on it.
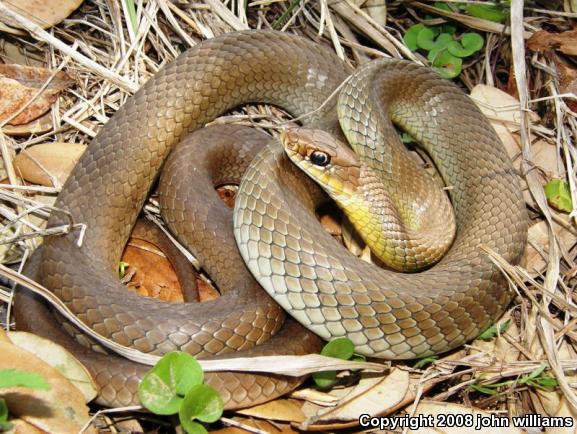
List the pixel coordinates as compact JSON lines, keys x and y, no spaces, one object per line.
{"x":20,"y":426}
{"x":59,"y":410}
{"x":48,"y":164}
{"x":566,"y":42}
{"x":288,"y":410}
{"x":4,"y":336}
{"x":19,"y":84}
{"x":539,"y":240}
{"x":151,"y":273}
{"x":59,"y":358}
{"x":437,"y":412}
{"x":373,"y":395}
{"x":43,"y":13}
{"x":277,"y":428}
{"x":39,"y":126}
{"x":567,"y":80}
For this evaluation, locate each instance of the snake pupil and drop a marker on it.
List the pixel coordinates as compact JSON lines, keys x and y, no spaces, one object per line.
{"x":319,"y":158}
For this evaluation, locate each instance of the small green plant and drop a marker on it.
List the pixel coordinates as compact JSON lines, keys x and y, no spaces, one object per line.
{"x":498,"y":12}
{"x":421,"y":363}
{"x":444,"y":49}
{"x":122,"y":266}
{"x":535,"y":378}
{"x":174,"y":385}
{"x":559,"y":195}
{"x":493,"y":331}
{"x":17,"y":378}
{"x":340,"y":348}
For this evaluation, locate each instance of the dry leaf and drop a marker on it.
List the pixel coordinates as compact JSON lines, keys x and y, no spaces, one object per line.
{"x":459,"y":419}
{"x":39,"y":126}
{"x":539,"y":240}
{"x":553,"y":403}
{"x":288,"y":410}
{"x":48,"y":164}
{"x":4,"y":336}
{"x":377,"y":10}
{"x":151,"y":273}
{"x":373,"y":395}
{"x":262,"y":425}
{"x":499,"y":347}
{"x":59,"y":358}
{"x":59,"y":410}
{"x":566,"y":42}
{"x":20,"y":426}
{"x":19,"y":84}
{"x":567,"y":81}
{"x":43,"y":13}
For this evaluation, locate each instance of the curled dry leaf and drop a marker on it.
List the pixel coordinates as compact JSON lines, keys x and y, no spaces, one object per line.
{"x":60,"y":409}
{"x":450,"y":413}
{"x":59,"y":358}
{"x":19,"y":84}
{"x":373,"y":396}
{"x":43,"y":13}
{"x":48,"y":164}
{"x":566,"y":42}
{"x":152,"y":275}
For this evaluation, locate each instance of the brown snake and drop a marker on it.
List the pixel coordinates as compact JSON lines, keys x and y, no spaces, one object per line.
{"x":385,"y":314}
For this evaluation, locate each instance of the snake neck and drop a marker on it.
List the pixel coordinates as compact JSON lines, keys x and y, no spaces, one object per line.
{"x":405,"y":236}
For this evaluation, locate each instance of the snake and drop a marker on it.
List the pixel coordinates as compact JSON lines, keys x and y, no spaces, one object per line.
{"x":386,"y":314}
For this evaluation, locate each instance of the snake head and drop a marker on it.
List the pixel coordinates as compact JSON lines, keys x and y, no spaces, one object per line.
{"x":325,"y":159}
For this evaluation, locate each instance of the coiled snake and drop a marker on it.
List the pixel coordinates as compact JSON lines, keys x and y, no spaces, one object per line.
{"x":386,"y":314}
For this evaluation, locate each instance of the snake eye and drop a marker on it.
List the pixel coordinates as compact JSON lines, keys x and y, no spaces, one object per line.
{"x":319,"y":158}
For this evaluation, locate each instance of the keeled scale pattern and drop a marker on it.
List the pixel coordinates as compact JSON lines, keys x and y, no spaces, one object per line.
{"x":110,"y":183}
{"x":388,"y":314}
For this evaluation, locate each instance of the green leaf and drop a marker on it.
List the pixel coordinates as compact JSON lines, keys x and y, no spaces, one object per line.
{"x":448,"y":29}
{"x":483,"y":389}
{"x":421,"y":363}
{"x":426,"y":38}
{"x":493,"y":13}
{"x":447,"y":65}
{"x":163,"y":387}
{"x":559,"y":195}
{"x":325,"y":379}
{"x":442,"y":41}
{"x":339,"y":348}
{"x":17,"y":378}
{"x":470,"y":43}
{"x":358,"y":358}
{"x":132,"y":15}
{"x":411,"y":34}
{"x":122,"y":266}
{"x":4,"y":424}
{"x":547,"y":382}
{"x":201,"y":403}
{"x":492,"y":331}
{"x":442,"y":5}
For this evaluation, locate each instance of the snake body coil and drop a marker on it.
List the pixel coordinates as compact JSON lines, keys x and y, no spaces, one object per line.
{"x":322,"y":286}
